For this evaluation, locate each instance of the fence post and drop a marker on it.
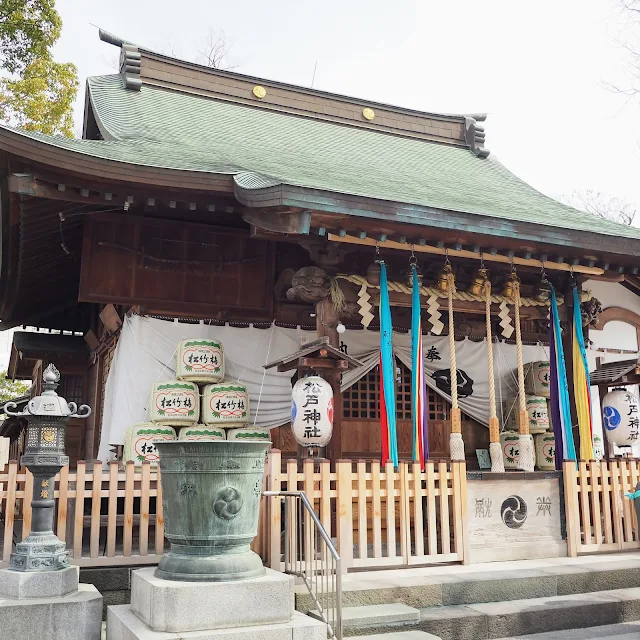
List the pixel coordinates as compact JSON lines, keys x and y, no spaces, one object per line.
{"x":571,"y":507}
{"x":405,"y":513}
{"x":344,"y":500}
{"x":459,"y":490}
{"x":9,"y":509}
{"x":274,"y":470}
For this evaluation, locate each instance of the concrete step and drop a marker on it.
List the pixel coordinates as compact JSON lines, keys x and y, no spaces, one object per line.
{"x":383,"y":618}
{"x":495,"y":582}
{"x":514,"y":618}
{"x":626,"y":631}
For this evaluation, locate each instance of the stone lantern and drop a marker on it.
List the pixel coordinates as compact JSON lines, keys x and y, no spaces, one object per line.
{"x":44,"y":456}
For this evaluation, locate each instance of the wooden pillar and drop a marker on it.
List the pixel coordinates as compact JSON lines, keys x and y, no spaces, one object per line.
{"x":327,"y":319}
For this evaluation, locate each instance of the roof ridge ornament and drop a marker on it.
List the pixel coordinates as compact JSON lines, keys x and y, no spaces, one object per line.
{"x":474,"y":134}
{"x":130,"y":66}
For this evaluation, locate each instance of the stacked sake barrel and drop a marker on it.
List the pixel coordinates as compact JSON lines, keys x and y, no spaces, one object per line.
{"x":199,"y":402}
{"x":537,"y":391}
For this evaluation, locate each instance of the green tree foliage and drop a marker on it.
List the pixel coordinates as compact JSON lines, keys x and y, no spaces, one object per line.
{"x":11,"y":388}
{"x":39,"y":93}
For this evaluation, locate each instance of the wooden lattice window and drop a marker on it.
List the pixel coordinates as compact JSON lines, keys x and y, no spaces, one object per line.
{"x":72,"y":388}
{"x":361,"y":401}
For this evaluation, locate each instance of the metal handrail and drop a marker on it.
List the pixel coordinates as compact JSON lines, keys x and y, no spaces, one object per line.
{"x":322,"y":576}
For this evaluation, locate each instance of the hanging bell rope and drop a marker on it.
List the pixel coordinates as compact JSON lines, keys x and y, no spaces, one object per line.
{"x":525,"y":461}
{"x":495,"y":448}
{"x":456,"y":444}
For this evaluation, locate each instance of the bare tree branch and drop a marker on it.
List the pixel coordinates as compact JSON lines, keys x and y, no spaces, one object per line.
{"x":603,"y":206}
{"x":216,"y":50}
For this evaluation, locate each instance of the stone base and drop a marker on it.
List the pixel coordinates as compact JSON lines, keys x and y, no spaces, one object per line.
{"x":49,"y":584}
{"x":174,"y":606}
{"x":76,"y":616}
{"x":40,"y":552}
{"x":123,"y":624}
{"x":531,"y":550}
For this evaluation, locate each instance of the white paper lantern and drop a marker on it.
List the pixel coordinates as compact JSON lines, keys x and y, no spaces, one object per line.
{"x":200,"y":361}
{"x":621,"y":417}
{"x":312,"y":411}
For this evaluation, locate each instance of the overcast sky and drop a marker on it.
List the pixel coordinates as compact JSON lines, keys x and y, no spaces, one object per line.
{"x":537,"y":68}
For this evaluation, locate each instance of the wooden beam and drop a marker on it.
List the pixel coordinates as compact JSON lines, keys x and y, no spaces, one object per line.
{"x":463,"y":253}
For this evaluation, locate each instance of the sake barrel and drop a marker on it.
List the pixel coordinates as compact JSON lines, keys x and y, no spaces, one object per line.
{"x":200,"y":361}
{"x":175,"y":403}
{"x":510,"y":409}
{"x":249,"y":434}
{"x":536,"y":381}
{"x":546,"y":451}
{"x":225,"y":404}
{"x":510,"y":443}
{"x":139,"y":441}
{"x":201,"y":432}
{"x":538,"y":415}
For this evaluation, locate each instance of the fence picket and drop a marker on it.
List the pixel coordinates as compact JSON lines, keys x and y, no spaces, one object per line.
{"x":112,"y":509}
{"x":432,"y":533}
{"x":376,"y":509}
{"x":389,"y":476}
{"x":594,"y":472}
{"x":96,"y":498}
{"x":275,"y":515}
{"x":159,"y":516}
{"x":143,"y":529}
{"x":606,"y":503}
{"x":443,"y":485}
{"x":127,"y":532}
{"x":9,"y":509}
{"x":627,"y":507}
{"x":362,"y":510}
{"x":78,"y":520}
{"x":63,"y":506}
{"x":26,"y":504}
{"x":418,"y":493}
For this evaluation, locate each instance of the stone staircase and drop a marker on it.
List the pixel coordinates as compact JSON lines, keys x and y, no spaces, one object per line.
{"x":555,"y":599}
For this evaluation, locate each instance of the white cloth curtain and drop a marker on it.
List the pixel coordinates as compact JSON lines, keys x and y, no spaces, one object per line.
{"x":146,"y":354}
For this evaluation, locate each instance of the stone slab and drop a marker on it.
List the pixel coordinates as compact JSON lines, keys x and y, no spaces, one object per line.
{"x":596,"y":577}
{"x":378,"y":615}
{"x":491,"y":586}
{"x":625,"y":631}
{"x":514,"y":518}
{"x":454,"y":623}
{"x":178,"y":607}
{"x":537,"y":615}
{"x":107,"y":578}
{"x":45,"y":584}
{"x":76,"y":616}
{"x":124,"y":624}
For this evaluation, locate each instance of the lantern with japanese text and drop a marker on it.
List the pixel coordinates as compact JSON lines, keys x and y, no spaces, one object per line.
{"x":139,"y":442}
{"x":621,"y":417}
{"x":175,"y":403}
{"x":200,"y":361}
{"x":312,"y":411}
{"x":201,"y":432}
{"x":250,"y":434}
{"x":225,"y":404}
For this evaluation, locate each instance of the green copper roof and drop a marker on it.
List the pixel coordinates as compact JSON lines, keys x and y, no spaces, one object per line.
{"x":163,"y":128}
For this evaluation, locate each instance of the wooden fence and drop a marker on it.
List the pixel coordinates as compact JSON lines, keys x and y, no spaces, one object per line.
{"x":106,"y":516}
{"x":600,"y":518}
{"x":378,"y":516}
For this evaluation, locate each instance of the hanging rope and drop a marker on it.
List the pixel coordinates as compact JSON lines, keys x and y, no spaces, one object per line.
{"x":456,"y":444}
{"x":525,"y":461}
{"x":495,"y":448}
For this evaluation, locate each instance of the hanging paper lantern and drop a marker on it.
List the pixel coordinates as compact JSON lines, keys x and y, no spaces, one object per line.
{"x":620,"y":417}
{"x":312,"y":411}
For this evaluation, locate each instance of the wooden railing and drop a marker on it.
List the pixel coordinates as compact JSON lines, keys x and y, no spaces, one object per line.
{"x":106,"y":516}
{"x":379,"y":516}
{"x":600,"y":518}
